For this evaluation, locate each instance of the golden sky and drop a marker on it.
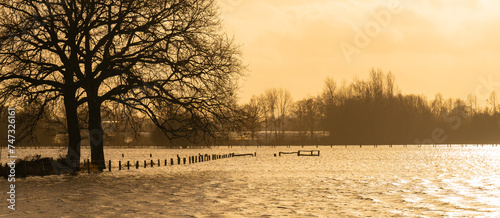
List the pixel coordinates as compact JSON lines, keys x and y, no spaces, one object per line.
{"x":431,"y":46}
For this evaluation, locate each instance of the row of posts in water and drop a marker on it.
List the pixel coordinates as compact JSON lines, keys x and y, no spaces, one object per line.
{"x":180,"y":161}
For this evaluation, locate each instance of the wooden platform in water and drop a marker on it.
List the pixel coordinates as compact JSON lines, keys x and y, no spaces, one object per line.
{"x":301,"y":153}
{"x":249,"y":154}
{"x":308,"y":153}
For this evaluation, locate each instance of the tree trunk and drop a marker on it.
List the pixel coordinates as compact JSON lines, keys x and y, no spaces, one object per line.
{"x":73,"y":156}
{"x":96,"y":132}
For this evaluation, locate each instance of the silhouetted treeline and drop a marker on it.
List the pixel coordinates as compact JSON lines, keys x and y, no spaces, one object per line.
{"x":373,"y":112}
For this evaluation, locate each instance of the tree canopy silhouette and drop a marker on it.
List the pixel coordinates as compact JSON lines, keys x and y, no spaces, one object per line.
{"x":165,"y":59}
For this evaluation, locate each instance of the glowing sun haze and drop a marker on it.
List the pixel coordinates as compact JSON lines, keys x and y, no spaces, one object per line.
{"x":431,"y":46}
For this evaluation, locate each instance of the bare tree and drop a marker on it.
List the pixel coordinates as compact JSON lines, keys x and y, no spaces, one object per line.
{"x":493,"y":102}
{"x":376,"y":84}
{"x":390,"y":90}
{"x":276,"y":103}
{"x":328,"y":94}
{"x":306,"y":114}
{"x":38,"y":63}
{"x":284,"y":105}
{"x":253,"y":114}
{"x":269,"y":101}
{"x":437,"y":105}
{"x":472,"y":103}
{"x":150,"y":56}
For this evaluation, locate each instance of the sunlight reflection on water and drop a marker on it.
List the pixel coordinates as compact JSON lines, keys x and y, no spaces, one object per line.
{"x":351,"y":181}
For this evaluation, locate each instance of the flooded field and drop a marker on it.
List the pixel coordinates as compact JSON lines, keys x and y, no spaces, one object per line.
{"x":345,"y":182}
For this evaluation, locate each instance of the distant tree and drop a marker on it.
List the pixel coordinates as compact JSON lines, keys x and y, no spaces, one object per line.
{"x":437,"y":105}
{"x":284,"y":105}
{"x":390,"y":89}
{"x":328,"y":94}
{"x":253,"y":115}
{"x":264,"y":106}
{"x":472,"y":103}
{"x":276,"y":104}
{"x":269,"y":101}
{"x":376,"y":84}
{"x":306,"y":116}
{"x":492,"y":100}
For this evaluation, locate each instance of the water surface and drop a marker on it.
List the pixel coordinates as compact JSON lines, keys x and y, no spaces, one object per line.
{"x":347,"y":182}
